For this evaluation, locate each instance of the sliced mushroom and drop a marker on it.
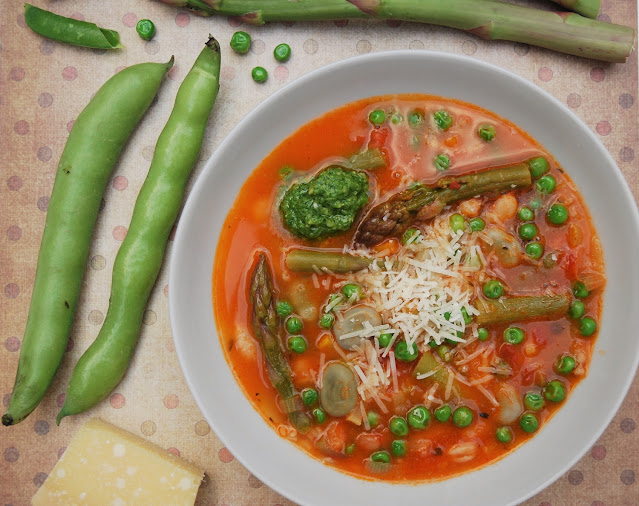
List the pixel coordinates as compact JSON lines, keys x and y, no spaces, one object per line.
{"x":506,"y":246}
{"x":510,"y":403}
{"x":338,"y":394}
{"x":353,"y":321}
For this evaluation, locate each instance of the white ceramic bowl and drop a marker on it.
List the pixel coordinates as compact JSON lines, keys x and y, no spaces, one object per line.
{"x":591,"y":406}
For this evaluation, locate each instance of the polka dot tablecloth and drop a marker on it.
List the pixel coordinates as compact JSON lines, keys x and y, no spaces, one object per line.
{"x":43,"y":87}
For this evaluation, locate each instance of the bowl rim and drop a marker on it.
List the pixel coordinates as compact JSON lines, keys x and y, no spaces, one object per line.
{"x":234,"y":136}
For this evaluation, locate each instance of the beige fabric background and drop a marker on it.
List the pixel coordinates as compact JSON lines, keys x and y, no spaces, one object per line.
{"x":44,"y":85}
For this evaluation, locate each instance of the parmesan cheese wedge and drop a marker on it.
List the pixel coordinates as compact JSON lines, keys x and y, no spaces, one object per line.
{"x":104,"y":464}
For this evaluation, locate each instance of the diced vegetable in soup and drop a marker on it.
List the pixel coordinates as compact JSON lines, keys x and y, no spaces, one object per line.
{"x":424,"y":294}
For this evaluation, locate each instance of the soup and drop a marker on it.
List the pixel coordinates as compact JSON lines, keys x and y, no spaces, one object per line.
{"x":408,"y":288}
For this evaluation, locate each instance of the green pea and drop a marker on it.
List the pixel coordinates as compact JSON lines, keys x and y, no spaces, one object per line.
{"x":487,"y":132}
{"x":528,"y":422}
{"x":546,"y":184}
{"x":418,"y":417}
{"x":444,"y":353}
{"x":294,"y":325}
{"x":350,"y":449}
{"x":283,"y":308}
{"x":483,"y":334}
{"x":398,"y":426}
{"x":373,"y":419}
{"x":398,"y":447}
{"x":565,"y":364}
{"x":377,"y":117}
{"x":504,"y":434}
{"x":526,"y":214}
{"x":259,"y":74}
{"x":579,"y":289}
{"x":145,"y":29}
{"x":557,"y":214}
{"x":477,"y":224}
{"x":534,"y":401}
{"x":326,"y":321}
{"x":241,"y":42}
{"x":381,"y":456}
{"x":535,"y":204}
{"x":457,"y":222}
{"x":462,"y":416}
{"x":528,"y":231}
{"x":433,"y":344}
{"x":296,"y":344}
{"x":409,"y":234}
{"x":577,"y":309}
{"x":443,"y":119}
{"x":493,"y":289}
{"x":514,"y":335}
{"x":534,"y":250}
{"x":587,"y":326}
{"x":396,"y":118}
{"x":282,"y":52}
{"x":385,"y":339}
{"x":538,"y":167}
{"x":555,"y":391}
{"x":415,"y":118}
{"x":467,"y":318}
{"x":443,"y":413}
{"x":351,"y":289}
{"x":442,"y":162}
{"x":404,"y":354}
{"x":319,"y":415}
{"x":309,"y":396}
{"x":333,"y":297}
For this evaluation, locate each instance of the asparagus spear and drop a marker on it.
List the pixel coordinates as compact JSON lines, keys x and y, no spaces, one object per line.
{"x":490,"y":19}
{"x":588,"y":8}
{"x":513,"y":309}
{"x":367,"y":160}
{"x":420,"y":202}
{"x":265,"y":326}
{"x":310,"y":260}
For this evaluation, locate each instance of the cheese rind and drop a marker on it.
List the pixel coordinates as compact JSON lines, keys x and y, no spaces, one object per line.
{"x":104,"y":464}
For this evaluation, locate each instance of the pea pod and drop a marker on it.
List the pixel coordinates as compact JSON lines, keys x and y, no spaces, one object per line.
{"x":96,"y":139}
{"x":69,"y":30}
{"x":139,"y":259}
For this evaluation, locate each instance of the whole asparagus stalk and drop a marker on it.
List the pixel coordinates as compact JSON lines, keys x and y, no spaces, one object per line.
{"x":522,"y":308}
{"x":420,"y":202}
{"x":489,"y":19}
{"x":265,"y":326}
{"x":588,"y":8}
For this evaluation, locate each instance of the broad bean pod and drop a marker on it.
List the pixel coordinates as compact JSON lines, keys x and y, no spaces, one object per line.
{"x":139,"y":259}
{"x":92,"y":149}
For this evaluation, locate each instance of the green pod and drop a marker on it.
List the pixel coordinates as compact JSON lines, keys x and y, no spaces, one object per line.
{"x":139,"y":259}
{"x":69,"y":30}
{"x":94,"y":145}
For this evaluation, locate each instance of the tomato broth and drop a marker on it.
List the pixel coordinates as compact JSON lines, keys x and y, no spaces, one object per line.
{"x":501,"y":385}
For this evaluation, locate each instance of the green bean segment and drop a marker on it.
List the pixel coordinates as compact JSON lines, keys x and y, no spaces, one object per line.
{"x":69,"y":30}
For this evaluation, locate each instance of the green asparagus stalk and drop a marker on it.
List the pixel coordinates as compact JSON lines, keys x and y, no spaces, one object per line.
{"x":489,"y":19}
{"x":588,"y":8}
{"x":420,"y":202}
{"x":265,"y":326}
{"x":312,"y":260}
{"x":522,"y":308}
{"x":370,"y":159}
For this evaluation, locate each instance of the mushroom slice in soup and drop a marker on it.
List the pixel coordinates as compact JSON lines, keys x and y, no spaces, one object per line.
{"x":338,"y":394}
{"x":353,"y":321}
